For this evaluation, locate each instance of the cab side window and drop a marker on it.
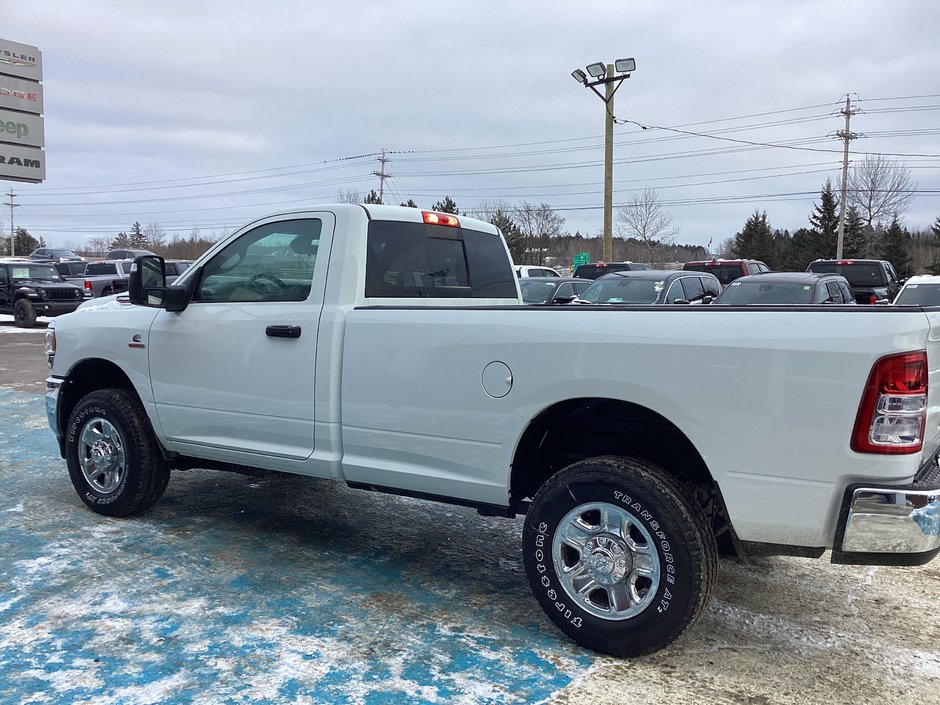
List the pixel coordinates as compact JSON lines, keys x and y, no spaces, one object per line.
{"x":694,"y":291}
{"x":674,"y":292}
{"x":273,"y":262}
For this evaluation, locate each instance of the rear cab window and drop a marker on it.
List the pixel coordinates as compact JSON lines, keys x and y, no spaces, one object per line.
{"x":418,"y":260}
{"x":859,"y":274}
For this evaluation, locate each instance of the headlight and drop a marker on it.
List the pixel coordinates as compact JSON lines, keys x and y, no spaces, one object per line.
{"x":49,"y":340}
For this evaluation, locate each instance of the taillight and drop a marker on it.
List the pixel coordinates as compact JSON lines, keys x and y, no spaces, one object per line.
{"x":893,"y":411}
{"x":432,"y":218}
{"x":87,"y":285}
{"x":872,"y":299}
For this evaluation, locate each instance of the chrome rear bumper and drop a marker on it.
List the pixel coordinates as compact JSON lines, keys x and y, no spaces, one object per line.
{"x":889,"y":525}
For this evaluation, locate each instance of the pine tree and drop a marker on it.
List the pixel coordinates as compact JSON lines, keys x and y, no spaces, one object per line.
{"x":934,"y":265}
{"x":373,"y":197}
{"x":755,"y":241}
{"x":854,"y":240}
{"x":120,"y":242}
{"x":896,"y":248}
{"x":446,"y":206}
{"x":409,"y":203}
{"x":825,"y":222}
{"x":138,"y":241}
{"x":801,"y":250}
{"x":23,"y":242}
{"x":515,"y":240}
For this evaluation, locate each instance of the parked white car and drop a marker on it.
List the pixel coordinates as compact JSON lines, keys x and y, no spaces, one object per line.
{"x":528,"y":270}
{"x":921,"y":290}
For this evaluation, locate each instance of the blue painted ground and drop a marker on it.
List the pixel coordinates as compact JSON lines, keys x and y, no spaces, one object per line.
{"x":246,"y":590}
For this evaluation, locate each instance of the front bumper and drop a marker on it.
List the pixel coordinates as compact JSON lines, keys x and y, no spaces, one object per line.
{"x":55,"y":307}
{"x":883,"y":525}
{"x":53,"y":386}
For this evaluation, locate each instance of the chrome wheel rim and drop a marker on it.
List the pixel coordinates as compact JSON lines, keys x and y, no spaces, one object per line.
{"x":101,"y":455}
{"x":606,"y":561}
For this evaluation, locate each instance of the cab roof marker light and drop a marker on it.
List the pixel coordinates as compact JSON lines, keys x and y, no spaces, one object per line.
{"x":432,"y":218}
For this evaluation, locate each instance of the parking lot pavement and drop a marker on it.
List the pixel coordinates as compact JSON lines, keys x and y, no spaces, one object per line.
{"x":282,"y":589}
{"x":262,"y":590}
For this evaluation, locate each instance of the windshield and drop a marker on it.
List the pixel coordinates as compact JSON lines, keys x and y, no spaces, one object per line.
{"x":919,"y":295}
{"x":536,"y":292}
{"x":743,"y":293}
{"x":620,"y":290}
{"x":35,"y":272}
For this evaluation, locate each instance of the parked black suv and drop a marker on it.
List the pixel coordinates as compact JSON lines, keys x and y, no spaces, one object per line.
{"x":872,"y":280}
{"x":29,"y":288}
{"x":599,"y":269}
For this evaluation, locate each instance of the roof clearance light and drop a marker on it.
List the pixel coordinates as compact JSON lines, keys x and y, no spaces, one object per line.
{"x":432,"y":218}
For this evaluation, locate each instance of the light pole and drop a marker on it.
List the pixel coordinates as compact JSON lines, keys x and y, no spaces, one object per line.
{"x":611,"y":76}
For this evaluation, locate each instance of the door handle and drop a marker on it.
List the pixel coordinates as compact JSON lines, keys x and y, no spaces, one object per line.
{"x":282,"y":331}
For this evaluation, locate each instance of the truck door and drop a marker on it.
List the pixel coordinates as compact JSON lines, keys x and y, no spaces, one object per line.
{"x":235,"y":371}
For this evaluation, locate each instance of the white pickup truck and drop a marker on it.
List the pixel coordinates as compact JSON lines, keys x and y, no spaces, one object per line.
{"x":388,"y":348}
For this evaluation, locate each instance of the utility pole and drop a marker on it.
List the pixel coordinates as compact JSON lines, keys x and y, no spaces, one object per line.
{"x":12,"y":205}
{"x":611,"y":75}
{"x":381,"y":173}
{"x":609,"y":165}
{"x":846,"y":136}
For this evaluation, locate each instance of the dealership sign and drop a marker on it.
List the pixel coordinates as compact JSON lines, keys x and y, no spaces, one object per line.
{"x":22,"y":135}
{"x":21,"y":129}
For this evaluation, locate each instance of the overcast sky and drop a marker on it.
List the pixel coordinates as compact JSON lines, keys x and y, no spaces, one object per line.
{"x":204,"y":114}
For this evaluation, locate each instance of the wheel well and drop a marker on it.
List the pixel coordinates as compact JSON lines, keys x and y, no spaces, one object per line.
{"x":86,"y":377}
{"x":583,"y":428}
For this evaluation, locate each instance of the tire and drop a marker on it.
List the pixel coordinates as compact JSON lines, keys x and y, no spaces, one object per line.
{"x":619,"y":555}
{"x":112,"y":456}
{"x":24,"y":313}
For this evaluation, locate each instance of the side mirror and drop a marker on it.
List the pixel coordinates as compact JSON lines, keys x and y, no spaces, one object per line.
{"x":146,"y":285}
{"x":707,"y":299}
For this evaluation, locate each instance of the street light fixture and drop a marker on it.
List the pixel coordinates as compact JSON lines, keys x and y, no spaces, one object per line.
{"x":610,"y":76}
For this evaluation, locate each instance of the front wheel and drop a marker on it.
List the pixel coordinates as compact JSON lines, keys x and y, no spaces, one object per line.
{"x":113,"y":459}
{"x":24,"y":313}
{"x":619,"y":555}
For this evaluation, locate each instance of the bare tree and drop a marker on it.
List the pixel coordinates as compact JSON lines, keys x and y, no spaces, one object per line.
{"x":99,"y":245}
{"x":538,"y":224}
{"x":349,"y":196}
{"x":156,"y":237}
{"x":879,"y":188}
{"x":645,"y":219}
{"x":487,"y":208}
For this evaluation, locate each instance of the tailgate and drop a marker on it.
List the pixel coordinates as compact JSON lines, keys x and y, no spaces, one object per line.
{"x":932,"y":429}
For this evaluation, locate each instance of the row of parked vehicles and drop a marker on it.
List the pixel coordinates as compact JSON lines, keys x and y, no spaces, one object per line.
{"x":52,"y":281}
{"x":730,"y":282}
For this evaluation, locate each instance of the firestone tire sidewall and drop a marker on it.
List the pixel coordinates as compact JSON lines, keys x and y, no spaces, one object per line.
{"x":674,"y":604}
{"x":125,"y":496}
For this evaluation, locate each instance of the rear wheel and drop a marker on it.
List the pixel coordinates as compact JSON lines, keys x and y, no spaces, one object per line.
{"x":113,"y":458}
{"x":619,"y":555}
{"x":24,"y":313}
